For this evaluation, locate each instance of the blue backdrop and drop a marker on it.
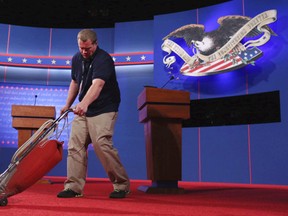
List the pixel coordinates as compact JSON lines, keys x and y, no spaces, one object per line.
{"x":253,"y":154}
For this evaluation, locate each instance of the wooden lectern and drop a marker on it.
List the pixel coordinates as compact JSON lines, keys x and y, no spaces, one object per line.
{"x":162,"y":112}
{"x":27,"y":119}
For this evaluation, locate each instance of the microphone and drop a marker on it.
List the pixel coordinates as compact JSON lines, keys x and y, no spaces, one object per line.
{"x":171,"y":78}
{"x":35,"y":100}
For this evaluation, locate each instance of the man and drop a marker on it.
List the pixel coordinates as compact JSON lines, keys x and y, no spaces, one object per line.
{"x":94,"y":82}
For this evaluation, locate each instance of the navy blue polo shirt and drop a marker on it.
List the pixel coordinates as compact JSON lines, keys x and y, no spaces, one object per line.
{"x":100,"y":66}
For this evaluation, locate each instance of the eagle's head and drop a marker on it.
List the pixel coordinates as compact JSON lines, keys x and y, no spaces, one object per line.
{"x":204,"y":46}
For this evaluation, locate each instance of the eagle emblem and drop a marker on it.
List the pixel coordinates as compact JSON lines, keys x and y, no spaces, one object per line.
{"x":232,"y":45}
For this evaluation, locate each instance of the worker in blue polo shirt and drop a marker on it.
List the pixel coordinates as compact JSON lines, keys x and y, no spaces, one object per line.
{"x":94,"y":82}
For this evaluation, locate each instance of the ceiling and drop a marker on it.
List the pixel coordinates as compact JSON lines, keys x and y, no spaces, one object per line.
{"x":90,"y":13}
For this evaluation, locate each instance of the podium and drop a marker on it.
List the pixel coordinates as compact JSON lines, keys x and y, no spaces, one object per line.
{"x":162,"y":112}
{"x":27,"y":119}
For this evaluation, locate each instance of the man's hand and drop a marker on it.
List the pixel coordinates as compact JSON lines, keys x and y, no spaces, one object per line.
{"x":80,"y":109}
{"x":64,"y":109}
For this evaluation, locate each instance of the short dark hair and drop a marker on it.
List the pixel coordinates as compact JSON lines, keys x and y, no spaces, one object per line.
{"x":87,"y":34}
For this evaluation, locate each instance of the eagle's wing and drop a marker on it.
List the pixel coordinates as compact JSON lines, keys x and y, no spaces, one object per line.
{"x":229,"y":25}
{"x":188,"y":32}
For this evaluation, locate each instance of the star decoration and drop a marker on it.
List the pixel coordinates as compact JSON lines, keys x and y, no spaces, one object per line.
{"x":63,"y":63}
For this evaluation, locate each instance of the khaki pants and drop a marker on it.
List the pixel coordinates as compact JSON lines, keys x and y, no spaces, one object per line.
{"x":98,"y":130}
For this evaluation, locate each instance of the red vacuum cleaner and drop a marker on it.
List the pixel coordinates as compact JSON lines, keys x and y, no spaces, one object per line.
{"x":32,"y":160}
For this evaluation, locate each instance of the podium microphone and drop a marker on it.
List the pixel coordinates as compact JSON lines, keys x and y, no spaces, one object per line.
{"x":171,"y":78}
{"x":35,"y":100}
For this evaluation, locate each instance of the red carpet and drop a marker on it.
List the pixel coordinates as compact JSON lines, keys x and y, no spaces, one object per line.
{"x":199,"y":199}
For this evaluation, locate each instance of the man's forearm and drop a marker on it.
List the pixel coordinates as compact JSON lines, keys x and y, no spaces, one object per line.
{"x":72,"y":93}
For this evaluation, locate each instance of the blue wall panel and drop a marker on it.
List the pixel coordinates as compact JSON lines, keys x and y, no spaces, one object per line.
{"x":59,"y":77}
{"x":2,"y":74}
{"x":269,"y":153}
{"x":63,"y":42}
{"x":3,"y":38}
{"x":29,"y":40}
{"x":224,"y":153}
{"x":133,"y":36}
{"x":37,"y":76}
{"x":268,"y":141}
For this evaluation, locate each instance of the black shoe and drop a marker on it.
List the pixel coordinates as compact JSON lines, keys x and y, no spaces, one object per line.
{"x":119,"y":193}
{"x":68,"y":193}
